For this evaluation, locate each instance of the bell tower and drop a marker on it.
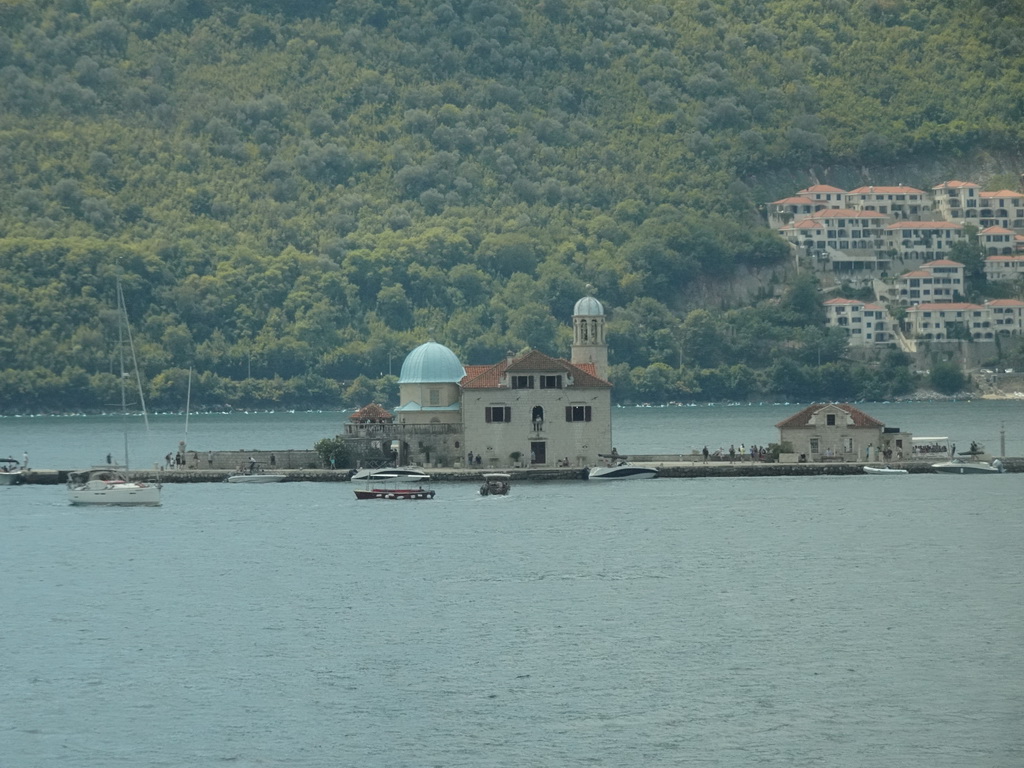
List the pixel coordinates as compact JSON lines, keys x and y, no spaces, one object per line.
{"x":588,"y":339}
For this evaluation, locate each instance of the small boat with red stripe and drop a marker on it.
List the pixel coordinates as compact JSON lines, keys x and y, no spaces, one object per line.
{"x":385,"y":491}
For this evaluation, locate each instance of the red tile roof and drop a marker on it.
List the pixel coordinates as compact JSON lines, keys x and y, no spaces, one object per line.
{"x":886,"y":190}
{"x":821,"y":188}
{"x":943,"y":306}
{"x":801,"y":419}
{"x":845,"y":213}
{"x":804,"y":224}
{"x":925,"y":225}
{"x":1001,"y":193}
{"x":795,"y":200}
{"x":955,"y":185}
{"x":371,"y":412}
{"x":489,"y":376}
{"x":942,"y":263}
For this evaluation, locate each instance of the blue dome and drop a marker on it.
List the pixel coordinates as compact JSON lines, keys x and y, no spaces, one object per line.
{"x":588,"y":305}
{"x":431,"y":363}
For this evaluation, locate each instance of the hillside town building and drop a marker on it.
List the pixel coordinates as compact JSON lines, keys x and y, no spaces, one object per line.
{"x":866,"y":323}
{"x":872,"y":231}
{"x":898,"y":240}
{"x":945,"y":321}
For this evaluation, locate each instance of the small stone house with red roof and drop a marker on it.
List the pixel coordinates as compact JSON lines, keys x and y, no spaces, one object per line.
{"x":837,"y":431}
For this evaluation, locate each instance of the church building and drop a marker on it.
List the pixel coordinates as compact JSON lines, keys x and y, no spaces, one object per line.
{"x":530,"y":410}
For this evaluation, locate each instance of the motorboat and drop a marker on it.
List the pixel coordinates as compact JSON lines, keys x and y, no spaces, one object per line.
{"x":255,"y":475}
{"x":385,"y":491}
{"x":11,"y":472}
{"x":886,"y":470}
{"x":961,"y":467}
{"x":388,"y":473}
{"x":110,"y":486}
{"x":496,"y":484}
{"x":621,"y":470}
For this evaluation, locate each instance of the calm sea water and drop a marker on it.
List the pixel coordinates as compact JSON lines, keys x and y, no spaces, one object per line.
{"x":833,"y":621}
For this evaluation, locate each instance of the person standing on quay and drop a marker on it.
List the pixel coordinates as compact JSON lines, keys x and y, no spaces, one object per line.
{"x":705,"y":452}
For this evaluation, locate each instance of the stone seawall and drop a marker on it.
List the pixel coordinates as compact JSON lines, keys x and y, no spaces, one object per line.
{"x":666,"y":469}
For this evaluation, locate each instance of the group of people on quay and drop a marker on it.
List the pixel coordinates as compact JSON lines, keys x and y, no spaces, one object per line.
{"x":733,"y":454}
{"x":930,"y":448}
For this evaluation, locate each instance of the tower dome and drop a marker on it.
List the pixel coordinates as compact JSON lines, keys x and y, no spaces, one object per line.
{"x":431,"y":363}
{"x":588,"y":305}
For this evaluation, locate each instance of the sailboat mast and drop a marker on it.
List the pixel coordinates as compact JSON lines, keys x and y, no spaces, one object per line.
{"x":121,"y":315}
{"x":188,"y":402}
{"x":135,"y":362}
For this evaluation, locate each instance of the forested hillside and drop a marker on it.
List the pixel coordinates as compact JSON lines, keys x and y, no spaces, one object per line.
{"x":295,"y":193}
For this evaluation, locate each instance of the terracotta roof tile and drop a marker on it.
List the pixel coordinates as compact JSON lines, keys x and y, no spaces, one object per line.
{"x":943,"y":306}
{"x":860,"y":419}
{"x":371,"y":412}
{"x":886,"y":191}
{"x":925,"y":225}
{"x":955,"y":185}
{"x":794,"y":200}
{"x":489,"y":376}
{"x":821,"y":188}
{"x":845,"y":213}
{"x":1001,"y":193}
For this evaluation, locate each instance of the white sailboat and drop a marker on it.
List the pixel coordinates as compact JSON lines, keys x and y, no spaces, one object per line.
{"x":110,"y":485}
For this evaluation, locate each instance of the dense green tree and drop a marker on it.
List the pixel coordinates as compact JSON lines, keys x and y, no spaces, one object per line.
{"x":947,"y":378}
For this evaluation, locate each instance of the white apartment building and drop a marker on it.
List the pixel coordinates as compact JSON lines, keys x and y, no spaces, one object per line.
{"x":998,"y":241}
{"x":851,"y":240}
{"x":789,"y":209}
{"x":1007,"y":316}
{"x":958,"y":201}
{"x":944,"y":321}
{"x":899,"y":202}
{"x":1004,"y":208}
{"x":1004,"y":268}
{"x":940,"y":280}
{"x":832,"y":197}
{"x":874,"y":231}
{"x":865,"y":323}
{"x":922,"y":240}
